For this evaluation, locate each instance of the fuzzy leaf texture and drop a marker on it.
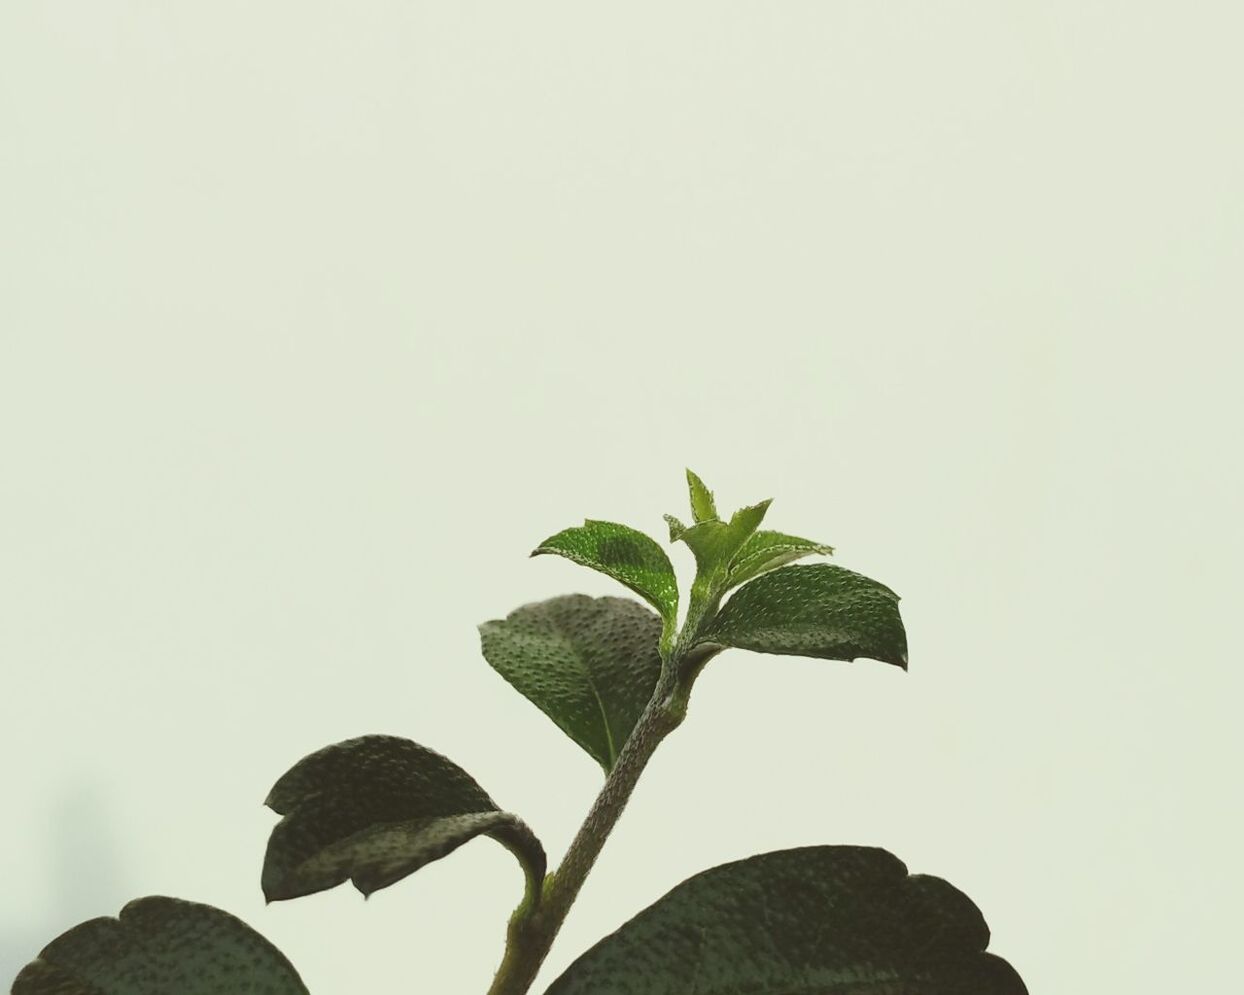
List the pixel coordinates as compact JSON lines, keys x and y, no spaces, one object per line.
{"x":626,"y":555}
{"x":373,"y":810}
{"x":767,"y":550}
{"x":159,"y":946}
{"x":817,"y":610}
{"x":703,"y":507}
{"x":590,"y":664}
{"x":715,"y":543}
{"x":822,"y":920}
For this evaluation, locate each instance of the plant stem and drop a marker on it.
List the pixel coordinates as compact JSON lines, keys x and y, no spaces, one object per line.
{"x":533,"y":928}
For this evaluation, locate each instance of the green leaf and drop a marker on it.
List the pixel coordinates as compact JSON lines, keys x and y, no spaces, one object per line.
{"x":767,"y":550}
{"x":590,"y":664}
{"x":676,"y":527}
{"x":715,"y":542}
{"x":375,"y":809}
{"x":815,"y":610}
{"x":624,"y":554}
{"x":822,"y":920}
{"x":703,"y":508}
{"x":158,"y":946}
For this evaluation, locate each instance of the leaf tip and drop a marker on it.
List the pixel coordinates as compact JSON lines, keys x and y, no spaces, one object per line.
{"x":675,"y":526}
{"x":703,"y":505}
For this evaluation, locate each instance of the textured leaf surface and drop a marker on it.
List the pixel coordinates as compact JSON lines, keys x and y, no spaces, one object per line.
{"x":817,"y":610}
{"x":715,"y":543}
{"x":703,"y":507}
{"x":813,"y":921}
{"x":676,"y":527}
{"x":626,"y":555}
{"x":159,"y":946}
{"x":767,"y":550}
{"x":590,"y":664}
{"x":373,"y":810}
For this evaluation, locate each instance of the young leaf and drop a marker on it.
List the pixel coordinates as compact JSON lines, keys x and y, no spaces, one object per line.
{"x":767,"y":550}
{"x":715,"y":543}
{"x":375,"y":809}
{"x":157,"y":946}
{"x":703,"y":507}
{"x":590,"y":664}
{"x":676,"y":527}
{"x":822,"y":920}
{"x":626,"y":555}
{"x":815,"y":610}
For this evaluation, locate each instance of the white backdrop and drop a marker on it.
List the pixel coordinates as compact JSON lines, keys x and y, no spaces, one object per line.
{"x":315,"y":318}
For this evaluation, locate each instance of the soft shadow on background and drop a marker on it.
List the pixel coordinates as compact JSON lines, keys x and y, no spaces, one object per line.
{"x":314,"y":319}
{"x":78,"y":862}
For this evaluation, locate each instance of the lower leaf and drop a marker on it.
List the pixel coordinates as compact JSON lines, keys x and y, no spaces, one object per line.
{"x":823,"y":920}
{"x":158,"y":946}
{"x":374,"y":809}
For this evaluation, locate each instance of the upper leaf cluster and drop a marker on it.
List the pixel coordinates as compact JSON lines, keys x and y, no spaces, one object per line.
{"x":586,"y":664}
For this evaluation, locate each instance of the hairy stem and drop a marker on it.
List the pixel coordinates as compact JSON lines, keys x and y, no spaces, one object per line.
{"x":533,"y":929}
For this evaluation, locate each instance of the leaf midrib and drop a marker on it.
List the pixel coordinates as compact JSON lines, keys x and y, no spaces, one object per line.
{"x":568,"y":638}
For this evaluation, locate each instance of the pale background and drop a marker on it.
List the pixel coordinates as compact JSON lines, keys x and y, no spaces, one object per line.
{"x":316,"y":317}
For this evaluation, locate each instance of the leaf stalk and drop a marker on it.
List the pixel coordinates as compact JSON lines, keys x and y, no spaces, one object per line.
{"x":534,"y":927}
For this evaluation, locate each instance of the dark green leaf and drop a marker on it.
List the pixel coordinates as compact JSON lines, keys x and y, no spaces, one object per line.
{"x":767,"y":550}
{"x":703,"y":507}
{"x":815,"y":610}
{"x":589,"y":664}
{"x":160,"y":946}
{"x":825,"y":920}
{"x":375,"y":809}
{"x":624,"y":554}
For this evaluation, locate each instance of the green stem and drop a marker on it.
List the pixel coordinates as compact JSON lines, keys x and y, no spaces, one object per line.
{"x":534,"y":925}
{"x":522,"y":842}
{"x":533,"y":929}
